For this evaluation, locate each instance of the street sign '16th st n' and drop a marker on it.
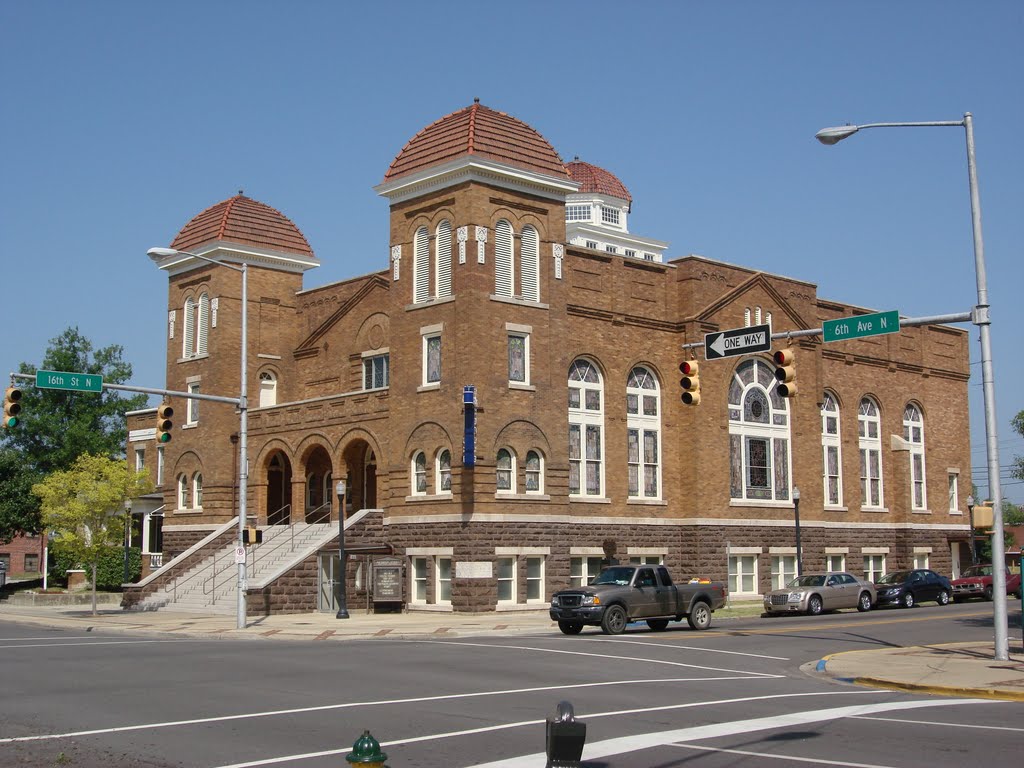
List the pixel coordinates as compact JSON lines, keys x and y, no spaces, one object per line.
{"x":77,"y":382}
{"x":738,"y":341}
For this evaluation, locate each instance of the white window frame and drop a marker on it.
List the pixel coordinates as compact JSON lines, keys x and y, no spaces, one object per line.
{"x":431,"y":337}
{"x":835,"y":561}
{"x":507,"y":579}
{"x":831,"y":443}
{"x":432,"y":570}
{"x":529,"y":264}
{"x":610,"y":215}
{"x":421,"y":266}
{"x":647,"y":559}
{"x":197,"y":490}
{"x":528,"y":472}
{"x":913,"y":433}
{"x":268,"y":389}
{"x":508,"y":472}
{"x":504,"y":259}
{"x":159,"y":465}
{"x":519,"y":332}
{"x":578,"y":212}
{"x":419,"y":575}
{"x":443,"y":260}
{"x":443,"y":471}
{"x":874,"y":565}
{"x":583,"y":569}
{"x":418,"y":473}
{"x":442,"y":580}
{"x":743,"y":572}
{"x":376,"y":370}
{"x":762,"y":387}
{"x":585,"y":421}
{"x":182,"y":482}
{"x":192,"y":405}
{"x":643,"y":388}
{"x":922,"y":559}
{"x":535,"y":582}
{"x":953,"y":487}
{"x":783,"y":570}
{"x":140,"y":459}
{"x":869,"y":443}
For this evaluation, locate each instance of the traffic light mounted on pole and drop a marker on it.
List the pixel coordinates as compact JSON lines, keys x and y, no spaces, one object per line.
{"x":164,"y":423}
{"x":785,"y":371}
{"x":12,"y":407}
{"x":690,"y":382}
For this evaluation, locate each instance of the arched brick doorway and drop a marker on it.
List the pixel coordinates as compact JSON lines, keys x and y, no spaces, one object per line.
{"x":361,"y":476}
{"x":279,"y":489}
{"x":318,"y":489}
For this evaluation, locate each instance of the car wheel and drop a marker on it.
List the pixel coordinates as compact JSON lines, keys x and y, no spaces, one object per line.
{"x":570,"y":627}
{"x":907,"y":601}
{"x":814,"y":605}
{"x":700,"y":616}
{"x":657,"y":625}
{"x":988,"y":593}
{"x":864,"y":602}
{"x":942,"y":598}
{"x":614,"y":620}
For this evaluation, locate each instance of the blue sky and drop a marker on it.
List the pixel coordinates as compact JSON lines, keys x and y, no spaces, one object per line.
{"x":122,"y":120}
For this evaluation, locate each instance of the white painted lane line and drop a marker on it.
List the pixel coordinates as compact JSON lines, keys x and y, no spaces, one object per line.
{"x":944,"y":724}
{"x":642,"y":660}
{"x":787,"y":758}
{"x":688,"y":648}
{"x":634,"y":744}
{"x":355,"y":704}
{"x":94,"y":642}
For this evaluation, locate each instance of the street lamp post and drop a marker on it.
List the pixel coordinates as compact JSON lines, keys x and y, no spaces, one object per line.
{"x":974,"y":546}
{"x":982,"y":319}
{"x":342,"y":598}
{"x":243,"y":411}
{"x":127,"y":536}
{"x":796,"y":520}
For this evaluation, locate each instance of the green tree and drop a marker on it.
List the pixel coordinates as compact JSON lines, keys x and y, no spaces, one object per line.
{"x":84,"y":507}
{"x":1017,"y":470}
{"x":57,"y":426}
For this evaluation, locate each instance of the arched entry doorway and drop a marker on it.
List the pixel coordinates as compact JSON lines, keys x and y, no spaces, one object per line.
{"x":361,"y":466}
{"x":318,"y":493}
{"x":279,"y":489}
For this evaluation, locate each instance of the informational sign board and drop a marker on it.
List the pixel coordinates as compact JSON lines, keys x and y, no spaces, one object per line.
{"x":858,"y":326}
{"x":737,"y":341}
{"x":387,"y":580}
{"x":77,"y":382}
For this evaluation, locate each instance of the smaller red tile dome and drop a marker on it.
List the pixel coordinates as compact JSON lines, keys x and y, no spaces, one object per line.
{"x":594,"y":180}
{"x":245,"y":221}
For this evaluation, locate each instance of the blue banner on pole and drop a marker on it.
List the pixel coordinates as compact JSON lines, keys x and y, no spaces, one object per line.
{"x":469,"y":432}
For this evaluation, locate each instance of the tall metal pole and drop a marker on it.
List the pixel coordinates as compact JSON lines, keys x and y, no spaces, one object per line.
{"x":796,"y":517}
{"x":984,"y":323}
{"x":980,"y":317}
{"x":342,"y":586}
{"x":243,"y":445}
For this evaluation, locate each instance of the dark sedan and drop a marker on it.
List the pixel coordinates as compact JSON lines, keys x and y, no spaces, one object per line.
{"x":907,"y":588}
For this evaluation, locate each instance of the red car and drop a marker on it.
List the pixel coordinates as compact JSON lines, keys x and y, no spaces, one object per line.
{"x":976,"y":581}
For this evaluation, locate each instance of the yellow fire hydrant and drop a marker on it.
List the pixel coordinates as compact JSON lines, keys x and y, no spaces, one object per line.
{"x":366,"y":752}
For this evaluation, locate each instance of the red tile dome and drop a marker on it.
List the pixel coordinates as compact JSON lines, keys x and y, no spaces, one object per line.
{"x":481,"y":131}
{"x":245,"y":221}
{"x":594,"y":180}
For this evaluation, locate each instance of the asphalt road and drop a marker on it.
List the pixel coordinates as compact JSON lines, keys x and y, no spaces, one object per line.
{"x":741,"y":694}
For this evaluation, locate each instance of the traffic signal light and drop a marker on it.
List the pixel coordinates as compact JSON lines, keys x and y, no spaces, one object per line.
{"x":785,"y":371}
{"x":690,"y":382}
{"x":252,"y":535}
{"x":164,"y":423}
{"x":12,"y":407}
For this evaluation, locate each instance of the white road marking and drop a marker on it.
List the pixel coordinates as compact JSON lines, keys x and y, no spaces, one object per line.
{"x":533,"y":760}
{"x":688,"y":648}
{"x":642,"y":741}
{"x":787,"y":758}
{"x":642,"y":660}
{"x":354,"y":704}
{"x":94,"y":642}
{"x":944,"y":724}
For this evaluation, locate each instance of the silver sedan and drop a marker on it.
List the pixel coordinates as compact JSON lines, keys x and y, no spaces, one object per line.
{"x":816,"y":592}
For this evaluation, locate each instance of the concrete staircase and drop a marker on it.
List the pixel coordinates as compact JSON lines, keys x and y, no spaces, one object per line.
{"x":211,"y":585}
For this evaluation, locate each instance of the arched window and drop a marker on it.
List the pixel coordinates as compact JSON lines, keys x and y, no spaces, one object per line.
{"x":182,"y":491}
{"x":197,"y":324}
{"x":268,"y":389}
{"x":643,"y":434}
{"x":534,"y":472}
{"x":443,"y":259}
{"x":759,"y":453}
{"x":421,"y":266}
{"x":504,"y":264}
{"x":913,"y":433}
{"x":202,"y":324}
{"x":419,"y":474}
{"x":529,"y":264}
{"x":443,"y":480}
{"x":831,"y":442}
{"x":506,"y":471}
{"x":869,"y":434}
{"x":188,"y":314}
{"x":586,"y":427}
{"x":197,"y":490}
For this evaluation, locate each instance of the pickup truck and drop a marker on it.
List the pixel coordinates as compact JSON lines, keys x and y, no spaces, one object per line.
{"x":976,"y":581}
{"x":624,"y":593}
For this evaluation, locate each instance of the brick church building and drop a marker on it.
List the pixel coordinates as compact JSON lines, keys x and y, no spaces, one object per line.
{"x":512,"y":281}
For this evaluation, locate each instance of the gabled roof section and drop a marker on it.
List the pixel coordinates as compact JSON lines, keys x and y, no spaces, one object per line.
{"x":480,"y":131}
{"x":308,"y":346}
{"x":245,"y":221}
{"x":757,"y":280}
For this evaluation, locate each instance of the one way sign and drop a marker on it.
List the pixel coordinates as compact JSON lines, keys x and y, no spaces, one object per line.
{"x":738,"y":341}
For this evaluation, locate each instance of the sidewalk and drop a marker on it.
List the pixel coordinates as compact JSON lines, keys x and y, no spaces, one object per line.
{"x":955,"y":669}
